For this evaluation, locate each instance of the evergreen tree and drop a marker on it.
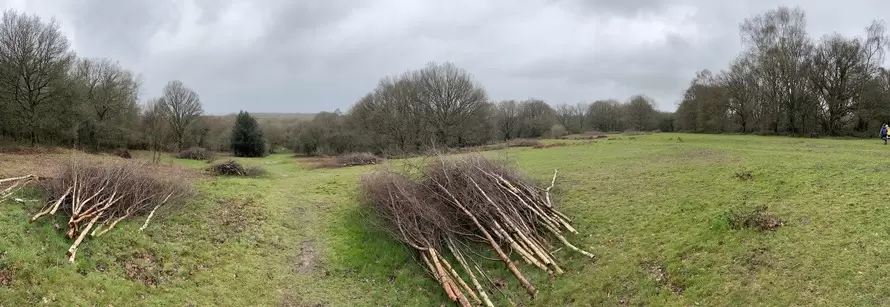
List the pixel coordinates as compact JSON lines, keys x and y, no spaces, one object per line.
{"x":247,"y":138}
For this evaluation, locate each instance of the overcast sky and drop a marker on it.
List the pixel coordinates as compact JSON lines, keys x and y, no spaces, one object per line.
{"x":315,"y":55}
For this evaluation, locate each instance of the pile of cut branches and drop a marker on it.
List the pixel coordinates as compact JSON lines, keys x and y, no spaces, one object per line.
{"x":233,"y":168}
{"x":455,"y":202}
{"x":9,"y":186}
{"x":96,"y":196}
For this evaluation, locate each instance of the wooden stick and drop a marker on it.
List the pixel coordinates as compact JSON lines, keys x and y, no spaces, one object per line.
{"x":16,"y":178}
{"x":114,"y":223}
{"x":460,"y":280}
{"x":51,"y":209}
{"x":59,"y":202}
{"x":452,"y":295}
{"x":532,"y":291}
{"x":510,"y":224}
{"x":547,"y":191}
{"x":145,"y":225}
{"x":460,"y":259}
{"x":569,"y":245}
{"x":482,"y":273}
{"x":72,"y":251}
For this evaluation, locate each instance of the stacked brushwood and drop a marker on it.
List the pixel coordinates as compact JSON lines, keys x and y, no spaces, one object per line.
{"x":232,"y":168}
{"x":453,"y":203}
{"x":96,"y":196}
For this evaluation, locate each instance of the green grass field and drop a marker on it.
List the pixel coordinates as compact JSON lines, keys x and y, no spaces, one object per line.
{"x":653,"y":209}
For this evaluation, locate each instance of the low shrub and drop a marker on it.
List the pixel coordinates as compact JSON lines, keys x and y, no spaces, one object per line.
{"x":558,"y":131}
{"x":357,"y":158}
{"x":634,"y":132}
{"x":523,"y":143}
{"x":123,"y":153}
{"x":551,"y":145}
{"x":233,"y":168}
{"x":587,"y":135}
{"x":195,"y":153}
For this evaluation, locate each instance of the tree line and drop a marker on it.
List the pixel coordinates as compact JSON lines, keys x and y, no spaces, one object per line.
{"x":785,"y":82}
{"x":443,"y":106}
{"x":49,"y":96}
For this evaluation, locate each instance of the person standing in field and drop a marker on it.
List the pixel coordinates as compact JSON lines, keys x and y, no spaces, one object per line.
{"x":884,"y":133}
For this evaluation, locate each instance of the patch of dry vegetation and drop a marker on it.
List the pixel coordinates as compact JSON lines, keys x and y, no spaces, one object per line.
{"x":551,"y":145}
{"x":345,"y":160}
{"x":358,"y":158}
{"x":523,"y":143}
{"x":587,"y":135}
{"x":758,"y":219}
{"x":123,"y":153}
{"x":196,"y":153}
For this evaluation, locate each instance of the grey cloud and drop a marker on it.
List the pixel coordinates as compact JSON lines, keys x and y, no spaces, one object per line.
{"x":321,"y":55}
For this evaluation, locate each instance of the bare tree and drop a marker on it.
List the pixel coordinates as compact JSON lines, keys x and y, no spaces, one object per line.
{"x":34,"y":60}
{"x":536,"y":118}
{"x":109,"y":93}
{"x":580,"y":118}
{"x":782,"y":47}
{"x":839,"y":73}
{"x":154,"y":127}
{"x":450,"y":97}
{"x":641,"y":113}
{"x":506,"y":117}
{"x":183,"y":108}
{"x":605,"y":115}
{"x":740,"y":85}
{"x":571,"y":117}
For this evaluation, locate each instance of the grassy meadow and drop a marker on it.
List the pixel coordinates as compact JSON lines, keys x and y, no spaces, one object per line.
{"x":654,"y":209}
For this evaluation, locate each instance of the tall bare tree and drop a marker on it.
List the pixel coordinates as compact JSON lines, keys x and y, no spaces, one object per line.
{"x":782,"y":47}
{"x":536,"y":118}
{"x":506,"y":117}
{"x":641,"y":114}
{"x":109,"y":94}
{"x":605,"y":115}
{"x":183,"y":108}
{"x":839,"y":73}
{"x":571,"y":116}
{"x":741,"y":97}
{"x":154,"y":127}
{"x":450,"y":97}
{"x":34,"y":60}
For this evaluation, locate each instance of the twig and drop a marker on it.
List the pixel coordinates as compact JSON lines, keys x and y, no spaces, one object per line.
{"x":145,"y":225}
{"x":72,"y":251}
